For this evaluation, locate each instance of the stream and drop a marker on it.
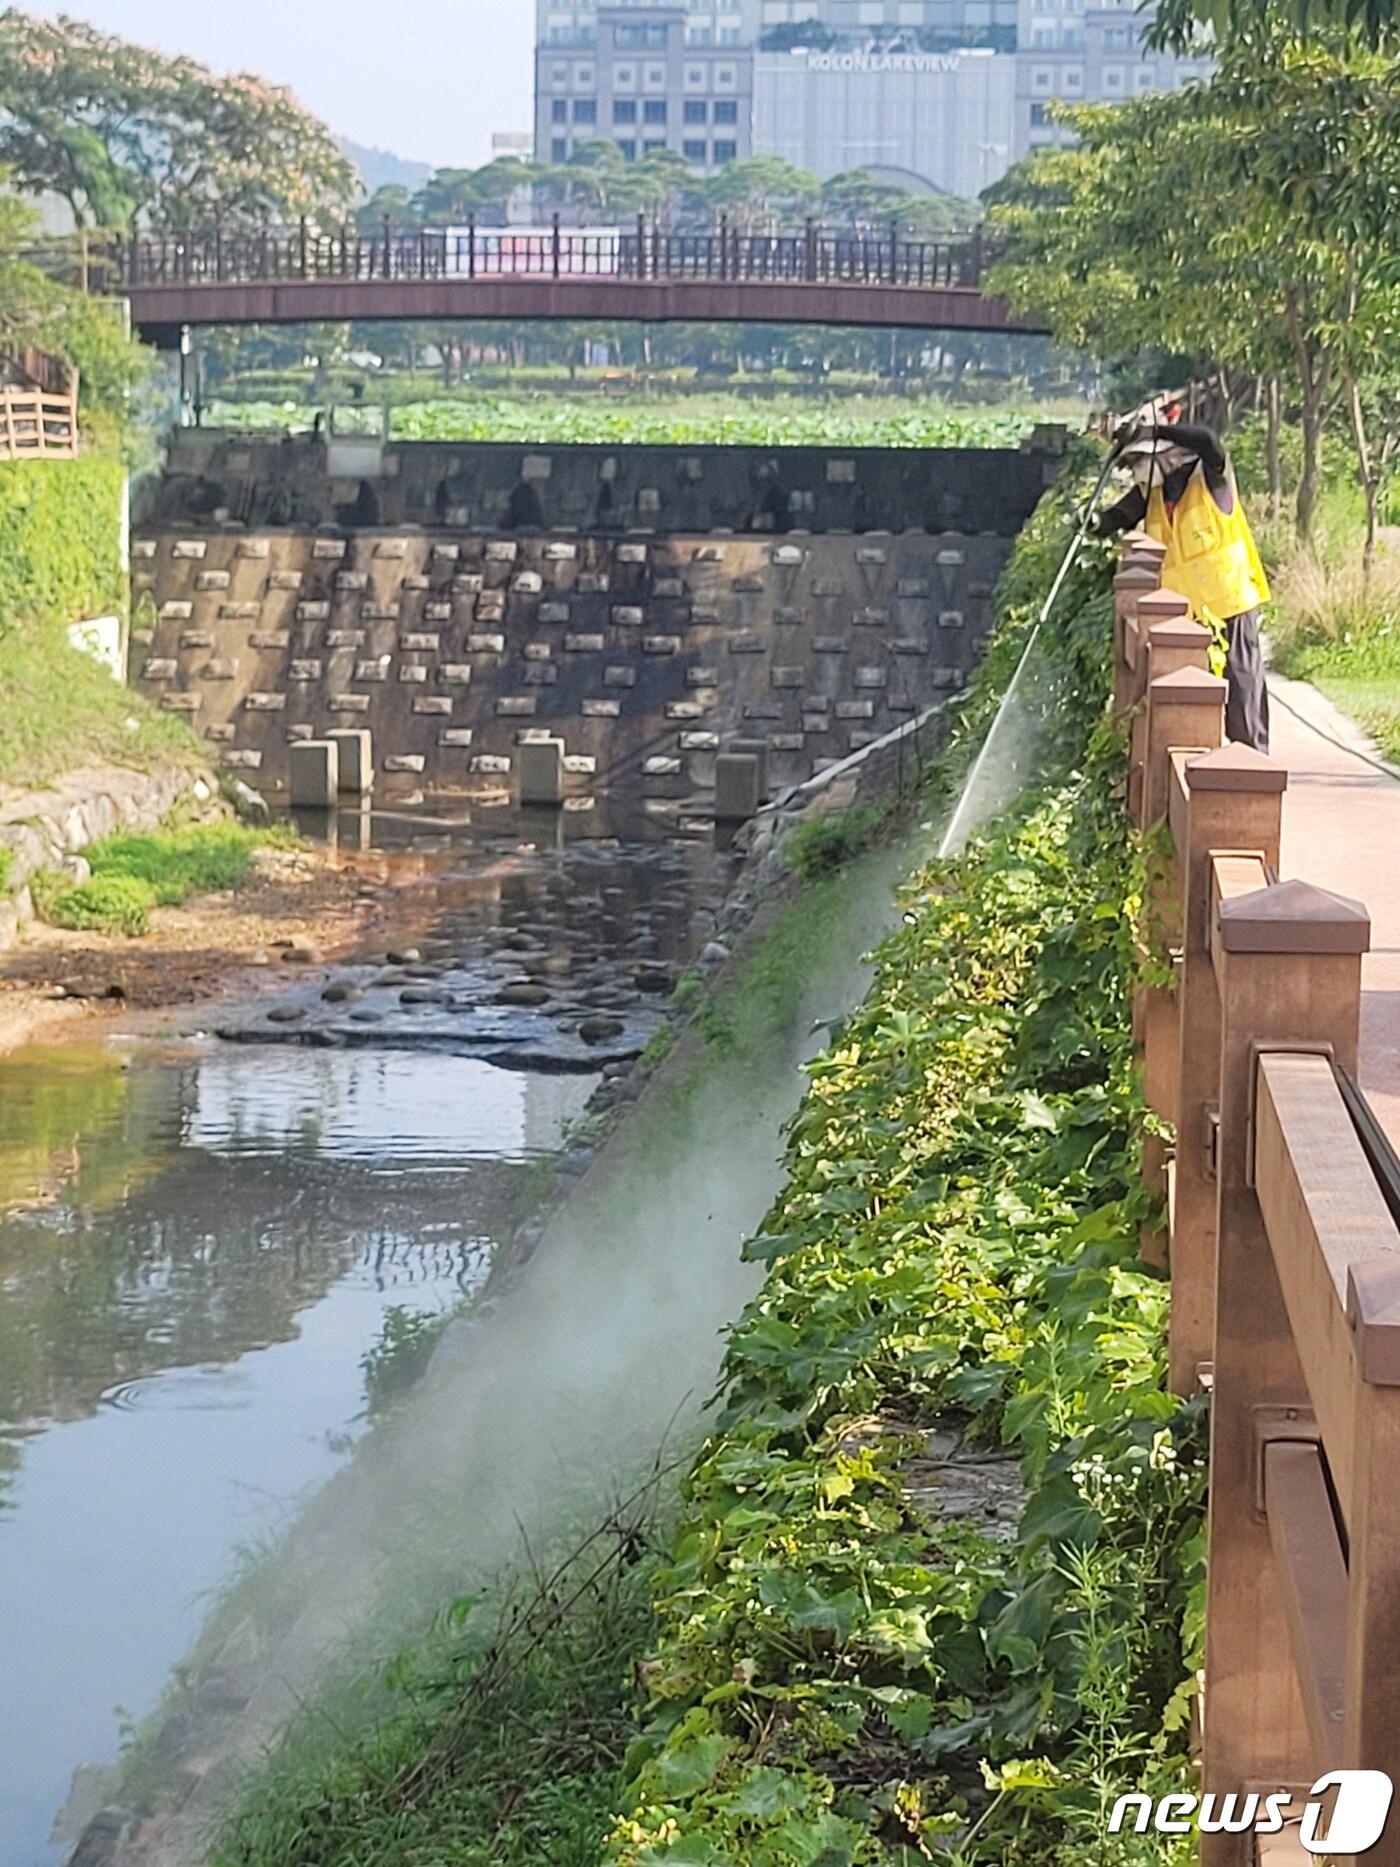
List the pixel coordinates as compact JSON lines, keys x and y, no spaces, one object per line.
{"x":201,"y":1240}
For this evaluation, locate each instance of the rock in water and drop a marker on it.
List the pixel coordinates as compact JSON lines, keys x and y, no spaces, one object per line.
{"x":600,"y":1030}
{"x":529,"y":995}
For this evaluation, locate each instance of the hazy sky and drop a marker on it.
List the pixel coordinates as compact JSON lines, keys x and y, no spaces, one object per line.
{"x":429,"y":79}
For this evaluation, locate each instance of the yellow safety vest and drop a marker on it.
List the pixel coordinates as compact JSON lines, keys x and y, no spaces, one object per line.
{"x":1212,"y":559}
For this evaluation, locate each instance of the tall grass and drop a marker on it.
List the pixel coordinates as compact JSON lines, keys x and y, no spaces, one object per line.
{"x":1337,"y":625}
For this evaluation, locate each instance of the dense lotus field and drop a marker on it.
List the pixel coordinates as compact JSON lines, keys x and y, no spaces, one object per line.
{"x":674,"y":422}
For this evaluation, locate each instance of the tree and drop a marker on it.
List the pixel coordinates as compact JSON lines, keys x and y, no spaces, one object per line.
{"x":391,"y":202}
{"x":1273,"y":257}
{"x":761,"y":189}
{"x":862,"y":199}
{"x":132,"y":137}
{"x":86,"y":332}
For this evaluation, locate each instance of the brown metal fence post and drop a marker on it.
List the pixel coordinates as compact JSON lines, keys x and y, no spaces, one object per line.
{"x":1288,"y":963}
{"x":1234,"y":801}
{"x":1183,"y":709}
{"x":641,"y":246}
{"x":1154,"y":656}
{"x":724,"y":247}
{"x":555,"y":243}
{"x":388,"y":249}
{"x":301,"y":247}
{"x":1130,"y":585}
{"x":471,"y":246}
{"x":811,"y":251}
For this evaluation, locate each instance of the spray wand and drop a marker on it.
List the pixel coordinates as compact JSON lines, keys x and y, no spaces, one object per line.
{"x":954,"y":836}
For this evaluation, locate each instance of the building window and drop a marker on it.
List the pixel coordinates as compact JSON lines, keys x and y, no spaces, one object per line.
{"x":649,"y":148}
{"x":655,"y":78}
{"x":583,"y":78}
{"x":624,"y":110}
{"x":559,"y":149}
{"x":559,"y":110}
{"x":585,"y":110}
{"x":642,"y":38}
{"x":725,"y":77}
{"x":696,"y":110}
{"x":627,"y":148}
{"x":726,"y":111}
{"x":695,"y":152}
{"x":624,"y":77}
{"x":1040,"y":115}
{"x":654,"y":110}
{"x":695,"y":77}
{"x":726,"y":151}
{"x":1074,"y":77}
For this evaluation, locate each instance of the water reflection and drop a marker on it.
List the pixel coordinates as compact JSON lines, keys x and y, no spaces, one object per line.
{"x":199,"y":1243}
{"x":210,"y":1246}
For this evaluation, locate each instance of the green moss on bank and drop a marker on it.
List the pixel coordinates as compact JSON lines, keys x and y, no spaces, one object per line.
{"x":60,"y":549}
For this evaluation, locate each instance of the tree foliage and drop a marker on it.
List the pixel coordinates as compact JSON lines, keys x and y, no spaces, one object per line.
{"x":129,"y":136}
{"x":1245,"y":224}
{"x":88,"y":333}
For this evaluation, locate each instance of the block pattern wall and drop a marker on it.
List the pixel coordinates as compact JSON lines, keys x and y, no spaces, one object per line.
{"x":640,"y":652}
{"x":492,"y":487}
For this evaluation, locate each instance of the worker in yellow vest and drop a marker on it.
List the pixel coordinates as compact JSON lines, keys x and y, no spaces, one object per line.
{"x":1185,"y":496}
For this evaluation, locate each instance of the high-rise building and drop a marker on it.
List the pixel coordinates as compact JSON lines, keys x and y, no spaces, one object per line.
{"x":1085,"y":51}
{"x":645,"y":76}
{"x":930,"y":94}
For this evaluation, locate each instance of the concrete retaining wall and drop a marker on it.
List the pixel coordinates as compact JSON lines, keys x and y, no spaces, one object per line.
{"x":640,"y":653}
{"x":213,"y":476}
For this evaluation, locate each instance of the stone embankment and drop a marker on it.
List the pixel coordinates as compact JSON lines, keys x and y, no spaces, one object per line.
{"x":50,"y":828}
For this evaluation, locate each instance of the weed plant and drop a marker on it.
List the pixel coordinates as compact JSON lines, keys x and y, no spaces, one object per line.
{"x":134,"y":874}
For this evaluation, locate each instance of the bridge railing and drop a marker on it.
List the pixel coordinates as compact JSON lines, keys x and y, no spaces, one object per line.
{"x":641,"y":251}
{"x":1281,"y":1196}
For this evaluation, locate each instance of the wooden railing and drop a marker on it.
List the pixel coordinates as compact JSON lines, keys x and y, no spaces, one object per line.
{"x":39,"y":415}
{"x":1280,"y":1235}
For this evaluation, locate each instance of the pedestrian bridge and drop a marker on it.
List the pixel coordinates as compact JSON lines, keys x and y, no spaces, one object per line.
{"x":644,"y":274}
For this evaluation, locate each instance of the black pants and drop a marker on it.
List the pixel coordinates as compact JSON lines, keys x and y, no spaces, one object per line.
{"x":1247,"y":704}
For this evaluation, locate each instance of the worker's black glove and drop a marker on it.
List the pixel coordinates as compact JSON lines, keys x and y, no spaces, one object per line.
{"x":1126,"y":432}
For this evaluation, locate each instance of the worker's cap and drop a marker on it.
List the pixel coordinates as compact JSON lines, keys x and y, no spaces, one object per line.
{"x":1144,"y":449}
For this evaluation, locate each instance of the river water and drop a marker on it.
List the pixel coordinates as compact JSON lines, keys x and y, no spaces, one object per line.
{"x":199,"y":1242}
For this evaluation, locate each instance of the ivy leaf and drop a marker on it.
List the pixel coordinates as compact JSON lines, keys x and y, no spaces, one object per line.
{"x":1059,"y":1516}
{"x":767,"y":1795}
{"x":685,"y":1769}
{"x":1037,"y":1113}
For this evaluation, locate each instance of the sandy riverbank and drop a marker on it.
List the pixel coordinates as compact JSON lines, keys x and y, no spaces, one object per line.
{"x":300,"y":907}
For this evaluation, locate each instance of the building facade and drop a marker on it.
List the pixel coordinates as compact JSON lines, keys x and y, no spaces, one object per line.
{"x":646,"y":77}
{"x":928,"y":122}
{"x":1085,"y":51}
{"x":932,"y":24}
{"x":934,"y":95}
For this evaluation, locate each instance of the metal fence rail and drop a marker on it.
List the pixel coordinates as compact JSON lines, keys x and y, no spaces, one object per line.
{"x":1281,"y":1197}
{"x":722,"y":255}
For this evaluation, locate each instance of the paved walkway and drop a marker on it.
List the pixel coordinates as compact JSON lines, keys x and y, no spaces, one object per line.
{"x":1341,"y":830}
